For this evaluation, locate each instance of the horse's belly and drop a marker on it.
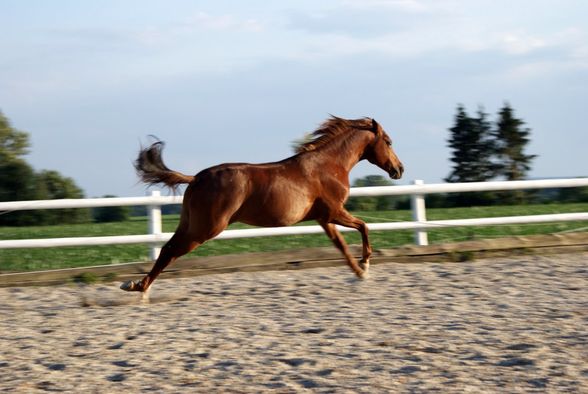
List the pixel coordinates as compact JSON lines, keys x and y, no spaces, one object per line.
{"x":274,"y":211}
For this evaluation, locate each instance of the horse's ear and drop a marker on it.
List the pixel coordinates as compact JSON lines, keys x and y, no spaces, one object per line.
{"x":376,"y":128}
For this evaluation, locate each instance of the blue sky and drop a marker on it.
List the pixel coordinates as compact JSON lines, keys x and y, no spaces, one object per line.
{"x":239,"y":81}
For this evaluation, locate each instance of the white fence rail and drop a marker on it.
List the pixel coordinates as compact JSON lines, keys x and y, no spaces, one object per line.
{"x":416,"y":191}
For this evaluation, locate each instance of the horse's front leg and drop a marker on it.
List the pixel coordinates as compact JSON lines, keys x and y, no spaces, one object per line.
{"x":345,"y":219}
{"x":340,"y":243}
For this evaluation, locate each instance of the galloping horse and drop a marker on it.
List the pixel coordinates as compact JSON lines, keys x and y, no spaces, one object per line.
{"x":311,"y":185}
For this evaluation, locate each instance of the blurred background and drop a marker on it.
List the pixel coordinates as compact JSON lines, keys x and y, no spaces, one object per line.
{"x":468,"y":91}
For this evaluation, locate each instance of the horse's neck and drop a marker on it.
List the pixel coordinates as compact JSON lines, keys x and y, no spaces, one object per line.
{"x":345,"y":152}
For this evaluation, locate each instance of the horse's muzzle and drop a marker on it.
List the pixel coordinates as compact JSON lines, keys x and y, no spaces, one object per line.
{"x":396,"y":172}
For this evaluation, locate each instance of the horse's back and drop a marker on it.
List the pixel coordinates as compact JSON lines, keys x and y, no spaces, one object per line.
{"x":271,"y":194}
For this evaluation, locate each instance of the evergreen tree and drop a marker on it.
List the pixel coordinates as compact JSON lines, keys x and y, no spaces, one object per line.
{"x":472,"y":147}
{"x":482,"y":152}
{"x":511,"y":138}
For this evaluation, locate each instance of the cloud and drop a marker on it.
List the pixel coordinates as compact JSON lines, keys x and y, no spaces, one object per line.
{"x":422,"y":31}
{"x":521,"y":43}
{"x":224,"y":22}
{"x":411,"y":6}
{"x":358,"y":18}
{"x":360,"y":23}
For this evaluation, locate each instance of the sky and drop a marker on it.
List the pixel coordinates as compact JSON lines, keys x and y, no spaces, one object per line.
{"x":234,"y":81}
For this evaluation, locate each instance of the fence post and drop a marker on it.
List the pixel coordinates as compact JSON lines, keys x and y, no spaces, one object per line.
{"x":419,"y":214}
{"x":154,"y":213}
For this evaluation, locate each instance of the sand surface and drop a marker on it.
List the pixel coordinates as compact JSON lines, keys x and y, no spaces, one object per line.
{"x":496,"y":325}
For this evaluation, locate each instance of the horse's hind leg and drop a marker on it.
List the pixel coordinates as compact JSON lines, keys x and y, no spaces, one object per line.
{"x":180,"y":244}
{"x":186,"y":239}
{"x":340,"y":243}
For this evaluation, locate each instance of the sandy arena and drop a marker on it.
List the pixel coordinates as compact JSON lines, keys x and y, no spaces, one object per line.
{"x":496,"y":325}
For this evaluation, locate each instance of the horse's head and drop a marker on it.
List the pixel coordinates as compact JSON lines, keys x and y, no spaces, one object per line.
{"x":380,"y":153}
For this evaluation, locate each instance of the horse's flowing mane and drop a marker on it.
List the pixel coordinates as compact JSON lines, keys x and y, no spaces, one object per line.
{"x":330,"y":129}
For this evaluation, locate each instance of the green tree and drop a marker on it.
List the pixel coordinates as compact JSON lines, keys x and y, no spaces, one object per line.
{"x":481,"y":152}
{"x":511,"y":139}
{"x":19,"y":182}
{"x":472,"y":148}
{"x":110,"y":214}
{"x":17,"y":178}
{"x":13,"y":143}
{"x":371,"y":203}
{"x":573,"y":194}
{"x":51,"y":185}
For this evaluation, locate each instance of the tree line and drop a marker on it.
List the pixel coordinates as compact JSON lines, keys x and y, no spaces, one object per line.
{"x":483,"y":150}
{"x":20,"y":182}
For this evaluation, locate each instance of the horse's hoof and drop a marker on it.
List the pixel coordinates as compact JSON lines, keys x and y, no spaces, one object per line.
{"x":129,"y":285}
{"x":364,"y":265}
{"x":363,"y":275}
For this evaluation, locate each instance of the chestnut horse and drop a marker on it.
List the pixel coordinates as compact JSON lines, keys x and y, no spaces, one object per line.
{"x":311,"y":185}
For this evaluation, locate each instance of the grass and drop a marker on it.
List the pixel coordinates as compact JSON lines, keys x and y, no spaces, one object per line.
{"x":53,"y":258}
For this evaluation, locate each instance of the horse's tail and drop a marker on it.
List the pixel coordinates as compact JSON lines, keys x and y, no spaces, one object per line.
{"x":152,"y":170}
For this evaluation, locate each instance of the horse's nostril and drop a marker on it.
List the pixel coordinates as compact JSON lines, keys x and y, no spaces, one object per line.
{"x":395,"y":173}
